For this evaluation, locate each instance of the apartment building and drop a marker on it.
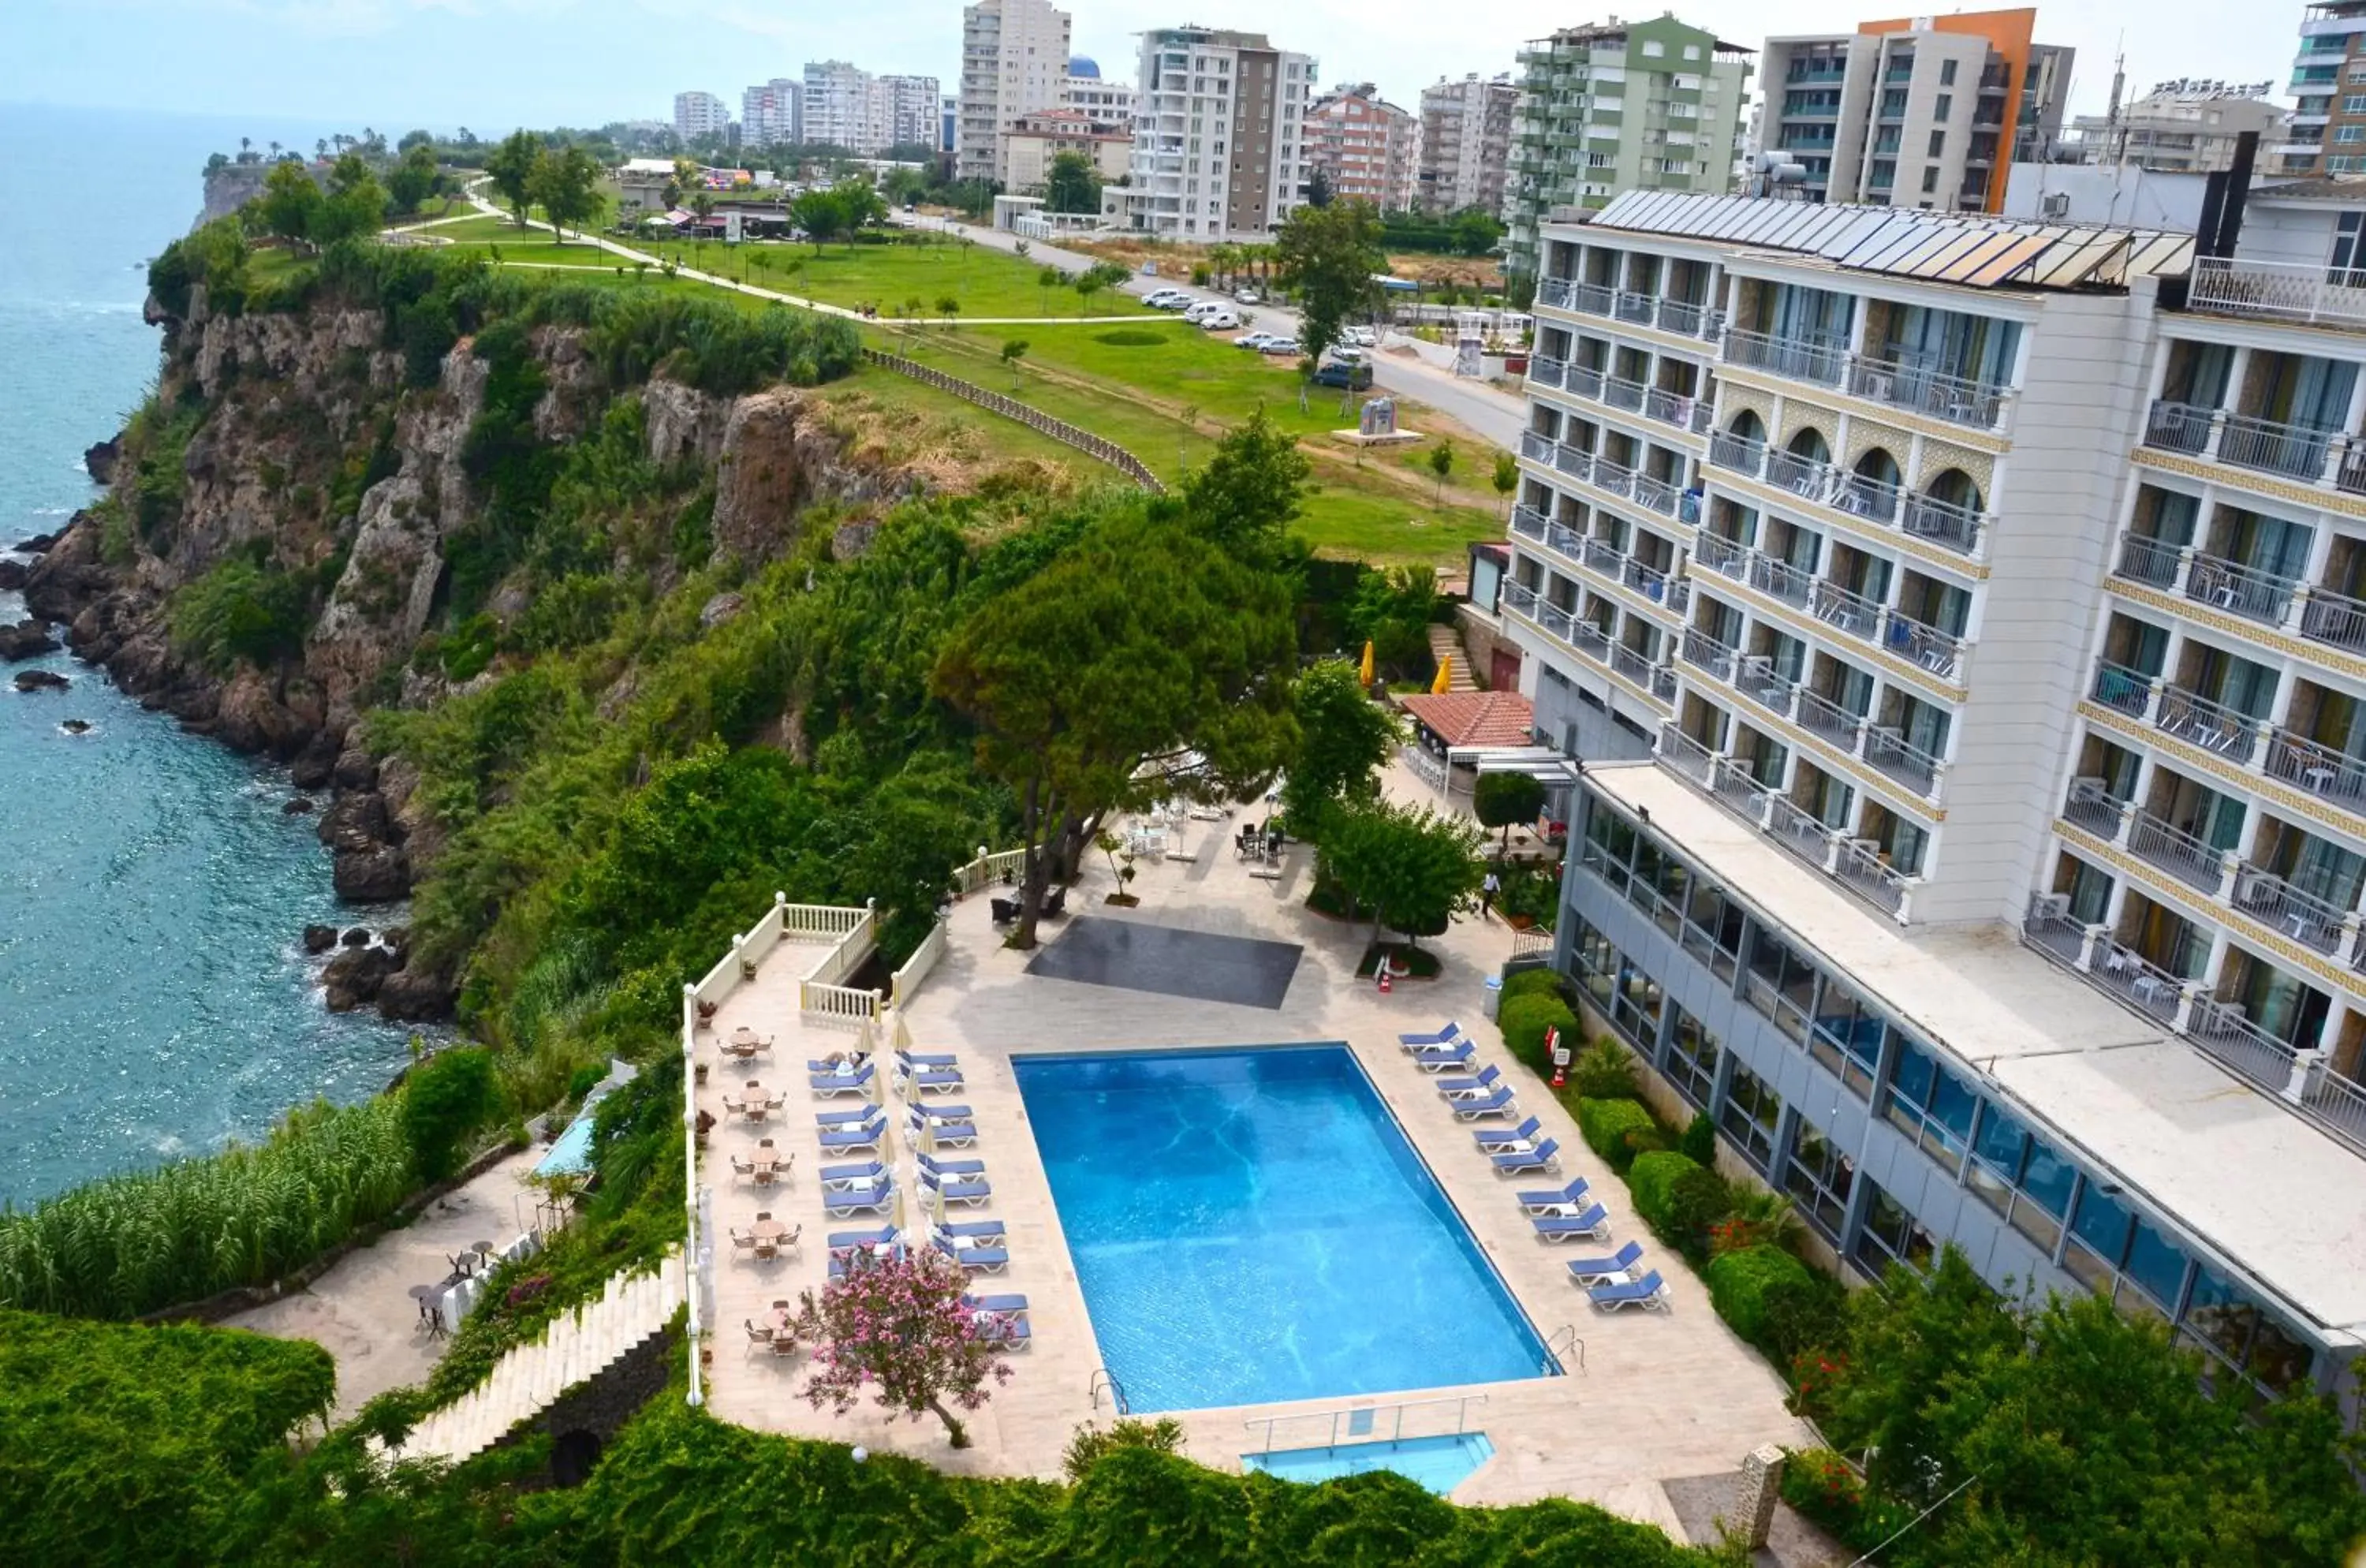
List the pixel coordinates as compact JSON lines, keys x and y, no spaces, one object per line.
{"x":1014,"y":61}
{"x":1649,"y":106}
{"x":1466,"y":144}
{"x":700,"y":114}
{"x":2328,"y":84}
{"x":1369,"y":148}
{"x":1217,"y":151}
{"x":1929,"y":112}
{"x":772,"y":115}
{"x":865,"y":114}
{"x":1963,"y":622}
{"x":2186,"y":127}
{"x":1108,"y":103}
{"x":1034,"y":140}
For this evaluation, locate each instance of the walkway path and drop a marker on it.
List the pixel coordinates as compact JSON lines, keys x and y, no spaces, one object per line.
{"x":359,"y":1311}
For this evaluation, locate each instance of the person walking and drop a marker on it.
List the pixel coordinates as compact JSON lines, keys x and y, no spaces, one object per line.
{"x":1487,"y":891}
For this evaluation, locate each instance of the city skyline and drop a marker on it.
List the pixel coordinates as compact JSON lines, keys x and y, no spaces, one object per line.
{"x":443,"y":63}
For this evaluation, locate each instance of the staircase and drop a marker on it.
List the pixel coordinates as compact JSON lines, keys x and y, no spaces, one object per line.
{"x":530,"y":1379}
{"x":1445,"y":643}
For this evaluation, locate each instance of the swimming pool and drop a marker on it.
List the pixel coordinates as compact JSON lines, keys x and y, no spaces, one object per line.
{"x":571,"y":1152}
{"x":1251,"y":1225}
{"x":1439,"y":1463}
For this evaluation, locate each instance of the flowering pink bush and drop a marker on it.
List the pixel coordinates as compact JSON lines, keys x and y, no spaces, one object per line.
{"x":895,"y":1324}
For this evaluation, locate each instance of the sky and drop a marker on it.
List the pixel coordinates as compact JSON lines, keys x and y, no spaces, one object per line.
{"x":494,"y":64}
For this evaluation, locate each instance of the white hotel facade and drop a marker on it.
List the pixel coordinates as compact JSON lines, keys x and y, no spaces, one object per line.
{"x":1963,"y":623}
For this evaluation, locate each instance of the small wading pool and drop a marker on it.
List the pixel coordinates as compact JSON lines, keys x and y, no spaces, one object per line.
{"x":1250,"y":1225}
{"x":1439,"y":1463}
{"x":571,"y":1153}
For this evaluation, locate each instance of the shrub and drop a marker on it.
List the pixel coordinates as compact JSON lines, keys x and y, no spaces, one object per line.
{"x":240,"y":611}
{"x":1544,"y":982}
{"x":1826,"y":1491}
{"x":1652,"y":1179}
{"x":1090,"y":1442}
{"x":1606,"y":1071}
{"x":1697,"y":1205}
{"x":1699,"y":1139}
{"x":1740,"y":1283}
{"x":1611,"y":1126}
{"x":1805,"y":1316}
{"x":1527,"y":1019}
{"x":445,"y":1099}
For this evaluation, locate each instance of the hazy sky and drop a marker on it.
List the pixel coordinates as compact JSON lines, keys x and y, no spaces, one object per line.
{"x":491,"y":64}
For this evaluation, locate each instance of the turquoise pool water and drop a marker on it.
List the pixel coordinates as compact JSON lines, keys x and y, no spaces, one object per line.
{"x":571,"y":1152}
{"x":1251,"y":1225}
{"x":1439,"y":1463}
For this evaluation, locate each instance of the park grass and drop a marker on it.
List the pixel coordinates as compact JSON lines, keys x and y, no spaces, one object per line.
{"x":575,"y":253}
{"x":986,"y":283}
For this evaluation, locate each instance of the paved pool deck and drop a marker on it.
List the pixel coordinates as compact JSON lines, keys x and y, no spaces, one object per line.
{"x":1659,"y":1395}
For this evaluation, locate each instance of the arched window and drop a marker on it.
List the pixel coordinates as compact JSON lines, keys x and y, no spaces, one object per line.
{"x":1748,"y":426}
{"x":1955,"y":488}
{"x":1879,"y":466}
{"x":1808,"y":446}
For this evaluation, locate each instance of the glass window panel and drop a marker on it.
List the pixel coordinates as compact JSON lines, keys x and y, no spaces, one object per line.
{"x":2001,"y":1144}
{"x":2048,"y":1179}
{"x":2278,"y":1358}
{"x":2220,"y":1317}
{"x":2103,"y":1226}
{"x":2156,"y":1264}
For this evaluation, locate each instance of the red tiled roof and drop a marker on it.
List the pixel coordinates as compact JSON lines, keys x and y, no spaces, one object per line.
{"x":1475,"y":718}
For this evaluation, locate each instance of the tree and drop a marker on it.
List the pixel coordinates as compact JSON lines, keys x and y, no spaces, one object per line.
{"x":444,"y":1101}
{"x":1391,"y":610}
{"x":1047,"y":278}
{"x":510,"y":168}
{"x":1088,"y":283}
{"x":1506,"y":479}
{"x":1319,"y":189}
{"x":1503,"y":800}
{"x":897,"y":1324}
{"x":415,"y":178}
{"x":1441,"y":463}
{"x":1344,"y":740}
{"x":1140,"y":663}
{"x":290,"y":203}
{"x":949,"y":308}
{"x":1072,"y":184}
{"x":1249,"y":490}
{"x":1013,"y":350}
{"x":1409,"y":868}
{"x":1330,"y":256}
{"x":820,"y":214}
{"x":565,"y":183}
{"x":355,"y":203}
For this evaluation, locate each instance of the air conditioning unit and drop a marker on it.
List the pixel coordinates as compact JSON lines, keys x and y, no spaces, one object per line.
{"x":2051,"y":907}
{"x":2054,"y":204}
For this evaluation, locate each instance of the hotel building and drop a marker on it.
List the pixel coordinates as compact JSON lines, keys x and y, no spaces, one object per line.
{"x":1217,"y":146}
{"x":1963,"y":623}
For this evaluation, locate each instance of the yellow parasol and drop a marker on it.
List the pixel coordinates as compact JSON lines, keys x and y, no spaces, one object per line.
{"x":1445,"y":672}
{"x":1365,"y":674}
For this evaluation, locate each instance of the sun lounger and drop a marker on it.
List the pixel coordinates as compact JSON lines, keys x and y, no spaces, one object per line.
{"x":859,"y":1175}
{"x":1499,"y":1103}
{"x":1446,"y":1036}
{"x":1438,"y":1058}
{"x":854,"y":1061}
{"x":977,"y":1259}
{"x":929,"y":1080}
{"x":970,"y":1230}
{"x":828,"y":1083}
{"x":947,"y":1134}
{"x":1595,"y":1225}
{"x":1645,"y":1293}
{"x":845,"y":1118}
{"x":1471,"y":1089}
{"x":994,"y":1303}
{"x":850,"y":1139}
{"x":1000,"y":1329}
{"x":952,"y":1167}
{"x":942,"y":1111}
{"x":1490,"y":1137}
{"x":955,"y":1191}
{"x":841,"y":1261}
{"x":928,"y":1059}
{"x":840,"y":1240}
{"x":860,"y":1200}
{"x":1544,"y":1156}
{"x":1594,"y":1270}
{"x":1546,"y":1202}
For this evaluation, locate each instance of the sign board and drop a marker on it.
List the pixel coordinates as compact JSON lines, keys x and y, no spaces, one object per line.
{"x":1559,"y":1051}
{"x":1378,"y":417}
{"x":731,"y":228}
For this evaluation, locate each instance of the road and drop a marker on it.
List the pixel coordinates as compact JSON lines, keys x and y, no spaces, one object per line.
{"x":1400,"y":367}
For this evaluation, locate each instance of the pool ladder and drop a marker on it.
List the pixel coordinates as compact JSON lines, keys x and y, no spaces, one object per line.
{"x":1558,"y":1350}
{"x":1105,"y":1379}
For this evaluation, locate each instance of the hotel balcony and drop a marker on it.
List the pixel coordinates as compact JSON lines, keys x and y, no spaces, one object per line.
{"x":2285,"y":603}
{"x":1882,"y":745}
{"x":2303,"y":453}
{"x":1606,"y":564}
{"x":1681,"y":316}
{"x":1889,"y":382}
{"x":1611,"y":479}
{"x":1858,"y":865}
{"x":1860,"y":499}
{"x":2283,"y":751}
{"x":1581,"y":637}
{"x":1864,"y":621}
{"x":1692,"y":415}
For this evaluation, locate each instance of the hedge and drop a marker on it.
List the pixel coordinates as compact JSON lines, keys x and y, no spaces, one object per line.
{"x":1525,"y":1019}
{"x":1738,"y":1283}
{"x":1608,"y":1124}
{"x":1819,"y":1485}
{"x":1653,"y":1180}
{"x":1545,"y":982}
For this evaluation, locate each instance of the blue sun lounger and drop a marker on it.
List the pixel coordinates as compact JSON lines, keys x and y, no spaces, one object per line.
{"x":1594,"y":1270}
{"x":955,"y":1191}
{"x":845,"y":1118}
{"x":973,"y":1230}
{"x":859,"y":1201}
{"x":941,"y":1112}
{"x":1571,"y":1197}
{"x":1544,"y":1156}
{"x":1644,"y":1292}
{"x":948,"y":1135}
{"x":1446,"y":1036}
{"x":929,"y":1059}
{"x":860,"y":1175}
{"x":828,"y":1083}
{"x":1594,"y":1225}
{"x":839,"y":1261}
{"x":1486,"y":1137}
{"x":1499,"y":1103}
{"x":997,"y":1329}
{"x":950,"y":1166}
{"x":977,"y":1259}
{"x":1471,"y":1089}
{"x":1438,"y":1058}
{"x":864,"y":1136}
{"x":994,"y":1303}
{"x":927,"y":1078}
{"x":840,"y":1240}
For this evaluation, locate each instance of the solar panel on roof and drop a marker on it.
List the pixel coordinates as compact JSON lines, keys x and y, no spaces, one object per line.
{"x":2076,"y":264}
{"x":1962,"y":253}
{"x":1996,"y":263}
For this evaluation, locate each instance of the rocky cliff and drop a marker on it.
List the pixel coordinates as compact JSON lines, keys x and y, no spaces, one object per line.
{"x":299,"y":444}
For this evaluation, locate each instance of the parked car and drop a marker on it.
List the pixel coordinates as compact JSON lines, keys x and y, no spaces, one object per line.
{"x":1199,"y":309}
{"x":1349,"y":354}
{"x":1253,"y":340}
{"x":1166,"y":298}
{"x":1278,"y":345}
{"x":1359,"y":337}
{"x":1219,"y":321}
{"x":1353,"y":378}
{"x":1248,"y":297}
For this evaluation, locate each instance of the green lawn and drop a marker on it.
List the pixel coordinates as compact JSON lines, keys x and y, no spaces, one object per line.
{"x":541,"y":248}
{"x":985,"y":282}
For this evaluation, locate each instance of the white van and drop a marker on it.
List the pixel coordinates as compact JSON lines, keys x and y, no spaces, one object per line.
{"x":1195,"y":313}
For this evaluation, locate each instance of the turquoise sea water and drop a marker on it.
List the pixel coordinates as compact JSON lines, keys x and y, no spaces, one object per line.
{"x":154,"y":998}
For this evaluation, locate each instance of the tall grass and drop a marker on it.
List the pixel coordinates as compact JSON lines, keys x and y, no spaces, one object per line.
{"x":128,"y":1245}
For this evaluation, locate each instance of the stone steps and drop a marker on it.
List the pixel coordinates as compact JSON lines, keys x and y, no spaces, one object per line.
{"x":530,"y":1379}
{"x":1445,"y":643}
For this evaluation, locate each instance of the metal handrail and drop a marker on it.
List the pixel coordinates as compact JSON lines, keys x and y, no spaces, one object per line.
{"x":2175,"y":850}
{"x":2314,"y":767}
{"x":2335,"y":618}
{"x":1741,"y":454}
{"x":1721,"y":554}
{"x":1105,"y":1379}
{"x":2150,"y":560}
{"x":2122,"y":687}
{"x":1943,"y":522}
{"x":1901,"y":383}
{"x":1566,"y":1331}
{"x":1789,"y":583}
{"x":1889,"y":751}
{"x":2212,"y":725}
{"x":2274,"y":446}
{"x":1620,"y":393}
{"x":1348,"y":1413}
{"x":1803,"y":359}
{"x":2177,"y":427}
{"x":2245,"y":590}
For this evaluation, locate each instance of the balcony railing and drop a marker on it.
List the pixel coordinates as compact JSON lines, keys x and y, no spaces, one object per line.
{"x":1552,"y":291}
{"x":2149,"y":560}
{"x":1801,"y":476}
{"x":1804,"y":360}
{"x":1656,"y":495}
{"x":2093,"y":807}
{"x":1941,"y":653}
{"x":1741,"y":454}
{"x":1947,"y":523}
{"x":2179,"y":852}
{"x":2335,"y":618}
{"x":1781,"y":578}
{"x":1622,"y":393}
{"x":1589,"y":298}
{"x":1528,"y":522}
{"x":1857,"y":864}
{"x":2277,"y":290}
{"x":1685,"y":412}
{"x":2177,"y":427}
{"x":1543,"y":372}
{"x":1536,"y":447}
{"x":2211,"y":726}
{"x":1859,"y":495}
{"x":1958,"y":399}
{"x":1687,"y":320}
{"x":1890,"y":752}
{"x":2122,"y":688}
{"x":1711,"y":655}
{"x":1585,"y":380}
{"x":1640,"y":308}
{"x":2293,"y":911}
{"x":2245,"y":590}
{"x":2295,"y":451}
{"x":1828,"y":719}
{"x":1574,"y":461}
{"x":2311,"y":455}
{"x":2145,"y":984}
{"x":2315,"y":767}
{"x":1721,"y":554}
{"x":1852,"y":613}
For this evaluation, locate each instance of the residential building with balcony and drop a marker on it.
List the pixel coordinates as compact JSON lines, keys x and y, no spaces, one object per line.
{"x":1993,"y":871}
{"x":1926,"y":113}
{"x":1655,"y":106}
{"x":2329,"y":87}
{"x":1014,"y":61}
{"x":1033,"y":140}
{"x":700,"y":114}
{"x":2186,"y":127}
{"x":1108,"y":103}
{"x":1217,"y":135}
{"x":1465,"y":143}
{"x":771,"y":114}
{"x":1369,"y":148}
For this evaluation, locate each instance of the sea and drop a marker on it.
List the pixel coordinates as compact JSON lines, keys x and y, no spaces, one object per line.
{"x":155,"y":1000}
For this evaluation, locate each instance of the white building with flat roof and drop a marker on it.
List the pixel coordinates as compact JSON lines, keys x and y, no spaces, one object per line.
{"x":1014,"y":61}
{"x":1217,"y":135}
{"x":771,"y":113}
{"x":1963,"y":622}
{"x":700,"y":114}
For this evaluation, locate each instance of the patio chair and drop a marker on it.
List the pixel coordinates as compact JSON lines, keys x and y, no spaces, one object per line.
{"x":1438,"y":1058}
{"x":1546,"y":1202}
{"x":1499,"y":1103}
{"x":994,"y":1303}
{"x":757,"y":1336}
{"x":1446,"y":1036}
{"x":1502,"y":1137}
{"x":1646,"y":1293}
{"x":784,"y":1344}
{"x":767,"y":1248}
{"x":741,"y":1240}
{"x":1055,"y":906}
{"x":1004,"y":911}
{"x":1594,"y":1225}
{"x":742,"y":1166}
{"x":1544,"y":1156}
{"x":1477,"y":1087}
{"x":1592,"y":1270}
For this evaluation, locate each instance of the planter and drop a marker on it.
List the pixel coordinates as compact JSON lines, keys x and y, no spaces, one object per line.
{"x":1122,"y":900}
{"x":1519,"y":922}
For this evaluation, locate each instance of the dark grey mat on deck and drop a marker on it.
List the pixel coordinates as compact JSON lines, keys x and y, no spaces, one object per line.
{"x":1137,"y":956}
